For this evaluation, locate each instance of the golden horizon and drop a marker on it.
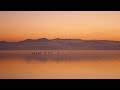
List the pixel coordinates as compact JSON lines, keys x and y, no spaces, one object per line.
{"x":86,"y":25}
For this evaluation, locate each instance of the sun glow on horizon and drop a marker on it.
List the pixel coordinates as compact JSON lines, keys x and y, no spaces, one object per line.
{"x":86,"y":25}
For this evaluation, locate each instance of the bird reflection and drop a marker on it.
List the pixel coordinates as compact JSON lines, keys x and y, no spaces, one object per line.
{"x":58,"y":56}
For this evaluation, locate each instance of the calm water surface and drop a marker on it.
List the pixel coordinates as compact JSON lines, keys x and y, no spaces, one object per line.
{"x":67,"y":64}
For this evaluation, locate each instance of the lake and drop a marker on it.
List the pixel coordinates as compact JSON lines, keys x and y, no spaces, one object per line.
{"x":62,"y":64}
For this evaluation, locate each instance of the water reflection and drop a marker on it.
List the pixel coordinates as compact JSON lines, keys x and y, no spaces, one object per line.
{"x":62,"y":56}
{"x":66,"y":64}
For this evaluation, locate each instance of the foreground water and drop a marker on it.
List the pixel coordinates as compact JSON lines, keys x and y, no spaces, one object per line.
{"x":65,"y":64}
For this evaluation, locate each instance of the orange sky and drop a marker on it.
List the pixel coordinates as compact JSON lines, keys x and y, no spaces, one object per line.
{"x":20,"y":25}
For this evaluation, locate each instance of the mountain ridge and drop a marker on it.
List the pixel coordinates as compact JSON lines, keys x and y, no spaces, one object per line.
{"x":61,"y":44}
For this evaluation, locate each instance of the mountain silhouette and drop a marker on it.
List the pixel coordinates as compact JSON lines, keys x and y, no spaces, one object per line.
{"x":60,"y":44}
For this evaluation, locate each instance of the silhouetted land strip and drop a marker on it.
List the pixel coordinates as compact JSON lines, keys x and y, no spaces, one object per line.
{"x":60,"y":44}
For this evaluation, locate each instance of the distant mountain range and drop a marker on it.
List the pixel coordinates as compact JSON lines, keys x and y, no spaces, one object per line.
{"x":60,"y":44}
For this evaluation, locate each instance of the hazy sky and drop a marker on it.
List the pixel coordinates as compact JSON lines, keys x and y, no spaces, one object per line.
{"x":20,"y":25}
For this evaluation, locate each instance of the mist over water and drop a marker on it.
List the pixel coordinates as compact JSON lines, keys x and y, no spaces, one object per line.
{"x":60,"y":64}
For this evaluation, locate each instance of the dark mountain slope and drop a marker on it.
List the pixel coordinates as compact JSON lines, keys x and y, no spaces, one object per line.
{"x":61,"y":44}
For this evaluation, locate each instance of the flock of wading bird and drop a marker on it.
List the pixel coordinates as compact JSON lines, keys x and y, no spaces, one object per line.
{"x":45,"y":53}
